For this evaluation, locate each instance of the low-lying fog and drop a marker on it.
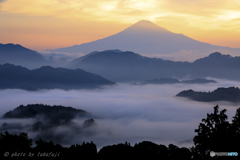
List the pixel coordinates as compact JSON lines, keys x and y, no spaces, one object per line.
{"x":132,"y":113}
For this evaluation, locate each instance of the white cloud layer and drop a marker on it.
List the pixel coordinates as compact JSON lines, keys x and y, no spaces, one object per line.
{"x":128,"y":112}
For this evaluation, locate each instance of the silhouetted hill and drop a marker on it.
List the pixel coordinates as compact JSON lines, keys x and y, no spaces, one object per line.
{"x":218,"y":60}
{"x":17,"y":77}
{"x":75,"y":61}
{"x":147,"y":38}
{"x":217,"y":65}
{"x":231,"y":94}
{"x":19,"y":55}
{"x":173,"y":81}
{"x":129,"y":66}
{"x":49,"y":122}
{"x":51,"y":112}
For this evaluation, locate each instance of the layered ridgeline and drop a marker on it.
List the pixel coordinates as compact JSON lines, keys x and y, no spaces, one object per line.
{"x":17,"y":77}
{"x":128,"y":66}
{"x":175,"y":81}
{"x":19,"y":55}
{"x":147,"y":38}
{"x":231,"y":94}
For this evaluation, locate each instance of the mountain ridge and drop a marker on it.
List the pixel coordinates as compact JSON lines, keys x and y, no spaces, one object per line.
{"x":230,"y":94}
{"x":128,"y":66}
{"x":19,"y":55}
{"x":17,"y":77}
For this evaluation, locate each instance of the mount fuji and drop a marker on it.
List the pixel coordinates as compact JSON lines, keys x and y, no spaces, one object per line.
{"x":149,"y":39}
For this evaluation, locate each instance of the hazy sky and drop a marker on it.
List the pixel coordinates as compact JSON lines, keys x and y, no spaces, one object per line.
{"x":45,"y":24}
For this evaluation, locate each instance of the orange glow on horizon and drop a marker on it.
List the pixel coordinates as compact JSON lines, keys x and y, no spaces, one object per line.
{"x":43,"y":24}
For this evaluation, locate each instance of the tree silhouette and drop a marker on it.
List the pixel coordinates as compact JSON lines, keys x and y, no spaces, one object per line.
{"x":236,"y":126}
{"x":174,"y":152}
{"x":12,"y":143}
{"x":117,"y":152}
{"x":216,"y":134}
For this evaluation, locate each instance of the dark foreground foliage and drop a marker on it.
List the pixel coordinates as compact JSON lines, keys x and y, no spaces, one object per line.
{"x":215,"y":133}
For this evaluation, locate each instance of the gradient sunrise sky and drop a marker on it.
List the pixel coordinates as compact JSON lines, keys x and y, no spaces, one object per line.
{"x":50,"y":24}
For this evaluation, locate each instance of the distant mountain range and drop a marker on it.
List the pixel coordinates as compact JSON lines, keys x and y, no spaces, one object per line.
{"x":147,"y":38}
{"x":128,"y":66}
{"x":19,"y":55}
{"x":17,"y":77}
{"x":174,"y":81}
{"x":231,"y":94}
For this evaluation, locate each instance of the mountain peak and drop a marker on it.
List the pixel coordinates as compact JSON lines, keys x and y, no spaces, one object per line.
{"x":145,"y":25}
{"x":219,"y":55}
{"x":12,"y":45}
{"x":145,"y":22}
{"x":215,"y":54}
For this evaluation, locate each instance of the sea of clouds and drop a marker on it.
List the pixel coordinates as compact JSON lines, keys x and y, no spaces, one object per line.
{"x":125,"y":112}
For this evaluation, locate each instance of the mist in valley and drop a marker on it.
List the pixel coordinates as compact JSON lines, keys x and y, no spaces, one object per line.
{"x":123,"y":112}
